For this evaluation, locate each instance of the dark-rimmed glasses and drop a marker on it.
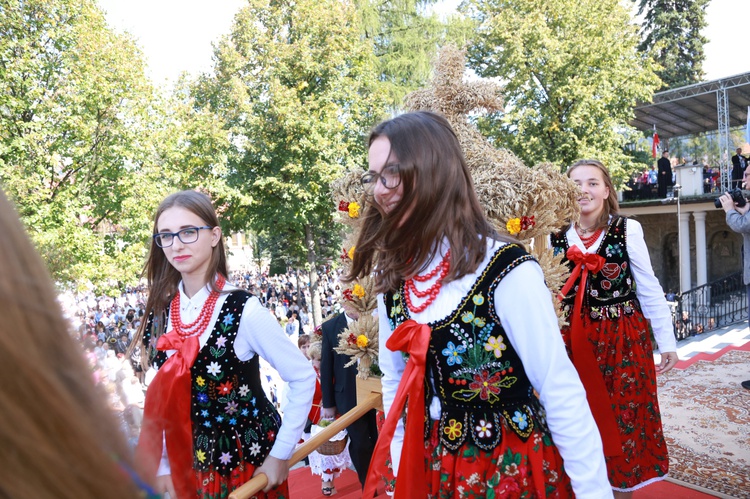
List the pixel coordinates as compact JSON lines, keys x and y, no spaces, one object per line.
{"x":390,"y":177}
{"x":186,"y":236}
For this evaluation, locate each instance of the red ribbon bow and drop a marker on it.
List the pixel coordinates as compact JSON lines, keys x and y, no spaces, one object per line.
{"x":166,"y":415}
{"x":582,"y":356}
{"x":413,"y":338}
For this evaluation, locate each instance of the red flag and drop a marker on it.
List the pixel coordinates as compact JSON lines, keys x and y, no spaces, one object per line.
{"x":655,"y":144}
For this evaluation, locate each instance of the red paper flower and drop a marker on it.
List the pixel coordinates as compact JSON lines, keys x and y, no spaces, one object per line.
{"x":527,"y":222}
{"x":343,"y":206}
{"x":348,"y":294}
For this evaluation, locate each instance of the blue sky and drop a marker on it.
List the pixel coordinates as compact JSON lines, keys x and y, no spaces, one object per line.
{"x":176,"y":35}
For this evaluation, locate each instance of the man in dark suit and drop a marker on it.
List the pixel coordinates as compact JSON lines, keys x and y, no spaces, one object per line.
{"x":339,"y":387}
{"x":665,"y":174}
{"x":739,"y":163}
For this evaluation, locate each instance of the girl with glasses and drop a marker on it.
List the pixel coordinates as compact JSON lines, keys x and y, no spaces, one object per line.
{"x":208,"y":426}
{"x":494,"y":403}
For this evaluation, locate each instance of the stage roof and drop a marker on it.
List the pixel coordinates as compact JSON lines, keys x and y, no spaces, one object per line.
{"x":692,"y":109}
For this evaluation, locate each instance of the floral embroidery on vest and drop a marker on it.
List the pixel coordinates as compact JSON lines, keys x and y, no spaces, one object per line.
{"x":233,"y":421}
{"x":610,"y":292}
{"x":477,"y":374}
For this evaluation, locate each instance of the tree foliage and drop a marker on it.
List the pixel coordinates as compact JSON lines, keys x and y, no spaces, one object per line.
{"x":75,"y":122}
{"x":295,"y":90}
{"x":671,"y":34}
{"x":572,"y":74}
{"x":405,"y":36}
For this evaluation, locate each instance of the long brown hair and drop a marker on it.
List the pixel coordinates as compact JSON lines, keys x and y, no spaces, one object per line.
{"x":439,"y":198}
{"x":610,"y":205}
{"x":58,"y":437}
{"x":163,"y":278}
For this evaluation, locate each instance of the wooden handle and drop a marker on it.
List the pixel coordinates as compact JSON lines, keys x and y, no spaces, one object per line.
{"x":259,"y":482}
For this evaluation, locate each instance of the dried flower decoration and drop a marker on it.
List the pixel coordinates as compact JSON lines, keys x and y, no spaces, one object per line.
{"x":358,"y":291}
{"x":350,"y":253}
{"x":360,"y":342}
{"x":343,"y":206}
{"x":516,"y":225}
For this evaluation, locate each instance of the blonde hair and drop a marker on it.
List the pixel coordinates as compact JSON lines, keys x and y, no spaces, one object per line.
{"x":315,"y":352}
{"x":58,"y":438}
{"x":610,"y":205}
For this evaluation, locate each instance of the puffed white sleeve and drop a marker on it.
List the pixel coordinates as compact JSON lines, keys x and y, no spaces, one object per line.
{"x":524,"y":306}
{"x":648,"y":290}
{"x":392,"y":365}
{"x":259,"y":333}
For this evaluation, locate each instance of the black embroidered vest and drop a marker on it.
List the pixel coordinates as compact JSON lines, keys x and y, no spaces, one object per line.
{"x":233,"y":421}
{"x":477,"y":374}
{"x":611,"y":291}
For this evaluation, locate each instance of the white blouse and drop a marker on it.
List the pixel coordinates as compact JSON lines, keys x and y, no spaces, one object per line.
{"x":524,"y":306}
{"x":647,"y":288}
{"x":260,"y":334}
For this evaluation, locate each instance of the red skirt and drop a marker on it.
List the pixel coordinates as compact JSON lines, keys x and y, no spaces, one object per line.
{"x":623,"y":350}
{"x":211,"y":485}
{"x":514,"y":469}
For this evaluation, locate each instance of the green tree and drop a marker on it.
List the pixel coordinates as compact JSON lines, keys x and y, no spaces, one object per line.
{"x":405,"y":36}
{"x":671,"y":34}
{"x":295,"y":89}
{"x":572,"y":74}
{"x":75,"y":121}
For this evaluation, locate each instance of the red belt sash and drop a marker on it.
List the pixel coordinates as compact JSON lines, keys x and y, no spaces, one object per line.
{"x":413,"y":338}
{"x":166,"y":415}
{"x":582,"y":355}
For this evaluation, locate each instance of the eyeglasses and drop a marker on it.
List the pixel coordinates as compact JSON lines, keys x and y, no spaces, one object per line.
{"x":186,"y":236}
{"x":390,"y":177}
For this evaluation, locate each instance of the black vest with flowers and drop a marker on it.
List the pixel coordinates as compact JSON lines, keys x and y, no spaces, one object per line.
{"x":477,"y":374}
{"x":233,"y":421}
{"x":610,"y":292}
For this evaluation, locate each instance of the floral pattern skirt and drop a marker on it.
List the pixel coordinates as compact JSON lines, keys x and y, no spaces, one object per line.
{"x":514,"y":469}
{"x":623,"y":350}
{"x":212,"y":485}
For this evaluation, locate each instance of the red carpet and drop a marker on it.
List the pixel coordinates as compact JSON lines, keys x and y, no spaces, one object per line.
{"x":667,"y":490}
{"x":305,"y":485}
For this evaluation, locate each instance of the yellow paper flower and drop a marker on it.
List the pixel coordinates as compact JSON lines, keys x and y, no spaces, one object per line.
{"x":200,"y":381}
{"x":513,"y":226}
{"x":358,"y":291}
{"x":353,"y":210}
{"x":200,"y":455}
{"x":351,"y":253}
{"x":362,"y":341}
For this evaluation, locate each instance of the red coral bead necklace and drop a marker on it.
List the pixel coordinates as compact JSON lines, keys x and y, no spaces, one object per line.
{"x":200,"y":324}
{"x":430,"y":293}
{"x":588,"y":241}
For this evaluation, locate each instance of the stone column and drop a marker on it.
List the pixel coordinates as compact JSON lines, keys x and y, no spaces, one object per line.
{"x":684,"y":233}
{"x":700,"y":248}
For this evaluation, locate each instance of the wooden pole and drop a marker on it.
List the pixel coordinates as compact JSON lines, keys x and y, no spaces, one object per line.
{"x":259,"y":482}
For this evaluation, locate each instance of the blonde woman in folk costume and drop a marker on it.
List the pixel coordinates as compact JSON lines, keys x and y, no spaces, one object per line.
{"x":206,"y":403}
{"x":608,"y":337}
{"x":473,"y":312}
{"x":58,"y":438}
